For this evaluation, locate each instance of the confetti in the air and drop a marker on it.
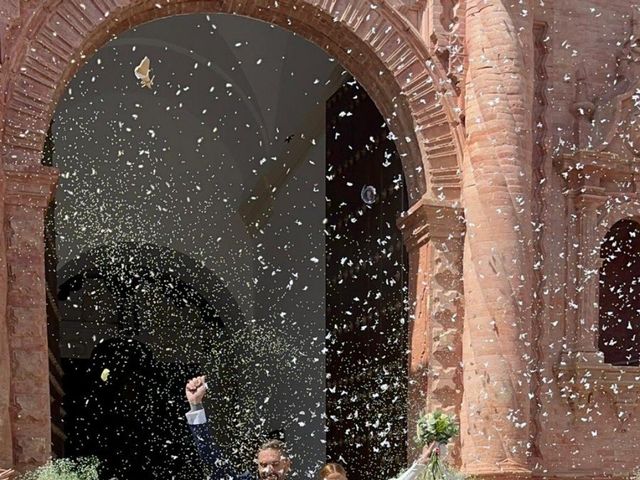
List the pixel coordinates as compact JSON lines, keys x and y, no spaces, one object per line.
{"x":143,"y":72}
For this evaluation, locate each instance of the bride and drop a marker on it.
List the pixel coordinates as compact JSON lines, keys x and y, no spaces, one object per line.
{"x":335,"y":471}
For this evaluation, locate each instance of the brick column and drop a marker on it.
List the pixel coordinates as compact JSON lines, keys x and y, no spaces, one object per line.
{"x":587,"y":205}
{"x":27,"y":193}
{"x":433,"y":237}
{"x":6,"y":439}
{"x":498,"y":266}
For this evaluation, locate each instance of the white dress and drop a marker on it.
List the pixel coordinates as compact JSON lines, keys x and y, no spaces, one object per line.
{"x":412,"y":472}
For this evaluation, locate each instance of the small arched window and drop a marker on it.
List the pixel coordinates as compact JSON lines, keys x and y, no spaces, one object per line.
{"x":619,"y":318}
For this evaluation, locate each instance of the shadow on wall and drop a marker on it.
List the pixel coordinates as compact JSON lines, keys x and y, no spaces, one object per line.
{"x":151,"y":318}
{"x":124,"y":408}
{"x":128,"y":271}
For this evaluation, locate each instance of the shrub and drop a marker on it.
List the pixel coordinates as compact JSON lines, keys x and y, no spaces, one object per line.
{"x":65,"y":469}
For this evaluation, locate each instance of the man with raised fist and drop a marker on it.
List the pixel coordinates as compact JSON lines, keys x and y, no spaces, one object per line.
{"x":272,"y":457}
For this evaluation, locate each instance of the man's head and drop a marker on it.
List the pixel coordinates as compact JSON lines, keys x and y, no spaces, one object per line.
{"x":273,"y":460}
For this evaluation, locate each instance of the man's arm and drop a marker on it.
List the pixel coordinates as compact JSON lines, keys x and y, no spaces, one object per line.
{"x":209,"y":452}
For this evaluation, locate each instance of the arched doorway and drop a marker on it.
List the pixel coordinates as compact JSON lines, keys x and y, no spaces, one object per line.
{"x":384,"y":53}
{"x":386,"y":59}
{"x":108,"y":191}
{"x":184,"y":165}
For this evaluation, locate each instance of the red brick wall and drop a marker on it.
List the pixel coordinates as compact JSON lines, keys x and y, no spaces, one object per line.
{"x":590,"y":438}
{"x":416,"y":75}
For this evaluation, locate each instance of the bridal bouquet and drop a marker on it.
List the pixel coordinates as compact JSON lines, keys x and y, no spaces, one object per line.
{"x":440,"y":428}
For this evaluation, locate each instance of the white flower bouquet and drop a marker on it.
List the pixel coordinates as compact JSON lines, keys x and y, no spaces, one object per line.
{"x":436,"y":427}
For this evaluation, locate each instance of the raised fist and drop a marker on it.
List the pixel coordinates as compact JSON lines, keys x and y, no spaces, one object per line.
{"x":195,"y":390}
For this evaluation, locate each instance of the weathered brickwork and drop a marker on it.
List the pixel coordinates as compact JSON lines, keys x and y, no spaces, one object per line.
{"x":27,"y":190}
{"x":515,"y":122}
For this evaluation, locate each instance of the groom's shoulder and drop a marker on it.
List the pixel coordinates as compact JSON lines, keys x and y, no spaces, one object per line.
{"x":243,"y":476}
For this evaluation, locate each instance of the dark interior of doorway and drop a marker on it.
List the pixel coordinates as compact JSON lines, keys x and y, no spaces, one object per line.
{"x":133,"y":419}
{"x":132,"y":423}
{"x":366,"y":285}
{"x":367,"y":368}
{"x":619,"y":299}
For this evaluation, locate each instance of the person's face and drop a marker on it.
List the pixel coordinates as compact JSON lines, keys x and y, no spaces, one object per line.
{"x":272,"y":465}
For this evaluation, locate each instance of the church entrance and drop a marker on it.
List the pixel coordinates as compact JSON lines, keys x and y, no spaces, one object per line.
{"x":237,"y":219}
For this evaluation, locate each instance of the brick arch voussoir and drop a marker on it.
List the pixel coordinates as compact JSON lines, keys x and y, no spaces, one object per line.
{"x":370,"y":39}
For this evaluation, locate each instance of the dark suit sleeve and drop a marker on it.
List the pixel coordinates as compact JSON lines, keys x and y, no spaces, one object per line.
{"x":210,"y":454}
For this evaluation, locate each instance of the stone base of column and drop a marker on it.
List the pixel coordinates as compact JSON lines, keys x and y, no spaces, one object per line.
{"x":578,"y":476}
{"x":501,"y":476}
{"x":495,"y":472}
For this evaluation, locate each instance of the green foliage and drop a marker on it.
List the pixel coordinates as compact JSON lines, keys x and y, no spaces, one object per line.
{"x":436,"y":427}
{"x":66,"y":469}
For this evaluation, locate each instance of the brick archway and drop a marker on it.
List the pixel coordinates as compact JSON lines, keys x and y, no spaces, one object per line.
{"x":371,"y":39}
{"x":42,"y":48}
